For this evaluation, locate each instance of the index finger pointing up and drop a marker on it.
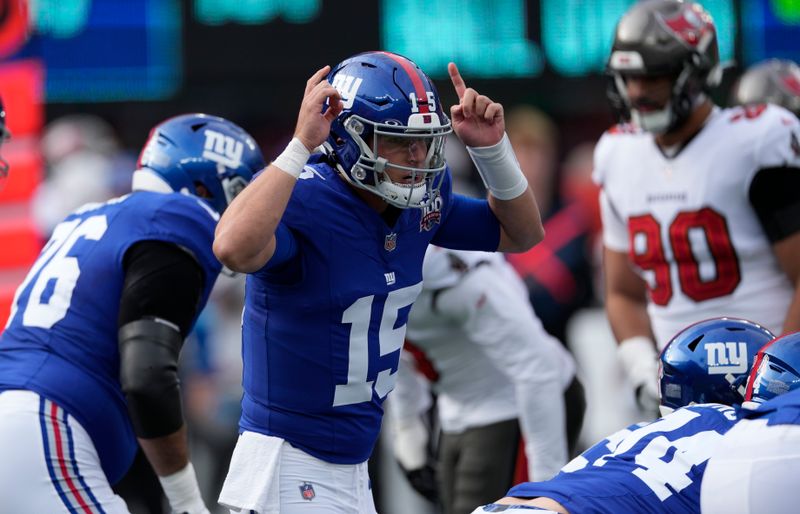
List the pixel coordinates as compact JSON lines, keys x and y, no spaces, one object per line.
{"x":316,"y":78}
{"x":458,"y":82}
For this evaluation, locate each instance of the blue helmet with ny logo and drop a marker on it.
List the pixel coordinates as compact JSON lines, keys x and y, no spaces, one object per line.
{"x":709,"y":362}
{"x":201,"y":155}
{"x":777,"y":369}
{"x":386,"y":95}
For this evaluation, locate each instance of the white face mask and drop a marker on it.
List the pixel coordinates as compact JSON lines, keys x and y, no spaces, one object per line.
{"x":656,"y":122}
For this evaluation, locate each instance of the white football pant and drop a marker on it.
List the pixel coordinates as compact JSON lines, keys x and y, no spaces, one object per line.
{"x":48,"y":462}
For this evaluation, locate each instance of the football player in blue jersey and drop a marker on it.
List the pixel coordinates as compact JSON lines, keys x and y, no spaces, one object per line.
{"x":658,"y":466}
{"x":756,"y":466}
{"x":88,"y":360}
{"x":334,"y":244}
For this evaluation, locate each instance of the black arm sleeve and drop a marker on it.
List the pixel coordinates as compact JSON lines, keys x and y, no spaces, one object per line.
{"x":148,"y":374}
{"x":775,"y":196}
{"x":161,"y":281}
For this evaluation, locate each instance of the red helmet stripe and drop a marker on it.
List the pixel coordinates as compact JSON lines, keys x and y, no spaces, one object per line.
{"x":416,"y":80}
{"x":748,"y":395}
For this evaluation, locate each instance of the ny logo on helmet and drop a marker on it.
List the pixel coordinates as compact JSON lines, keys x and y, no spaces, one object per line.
{"x":223,"y":150}
{"x":347,"y":86}
{"x":725,"y":358}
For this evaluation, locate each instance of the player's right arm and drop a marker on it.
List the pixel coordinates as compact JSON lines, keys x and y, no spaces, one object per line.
{"x":245,"y":235}
{"x":626,"y":308}
{"x":160,"y":298}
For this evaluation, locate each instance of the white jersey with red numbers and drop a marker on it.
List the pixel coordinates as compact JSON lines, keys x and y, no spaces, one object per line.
{"x":687,"y":222}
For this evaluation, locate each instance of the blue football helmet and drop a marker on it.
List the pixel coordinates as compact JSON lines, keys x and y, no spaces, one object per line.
{"x":4,"y":135}
{"x":198,"y":150}
{"x":775,"y":81}
{"x":709,"y":362}
{"x":387,"y":95}
{"x":777,"y":369}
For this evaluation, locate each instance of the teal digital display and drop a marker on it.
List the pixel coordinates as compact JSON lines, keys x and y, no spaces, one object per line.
{"x":487,"y":38}
{"x":255,"y":12}
{"x":491,"y":38}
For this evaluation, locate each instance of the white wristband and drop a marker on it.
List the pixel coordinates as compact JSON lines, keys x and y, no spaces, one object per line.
{"x":182,"y":491}
{"x":293,"y":158}
{"x":499,"y":169}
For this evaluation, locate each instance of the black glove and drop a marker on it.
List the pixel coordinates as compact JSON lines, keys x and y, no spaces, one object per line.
{"x":423,"y":480}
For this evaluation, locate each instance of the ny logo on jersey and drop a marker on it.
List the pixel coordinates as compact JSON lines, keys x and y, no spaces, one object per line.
{"x":725,"y":358}
{"x":223,"y":150}
{"x":390,"y":278}
{"x":347,"y":86}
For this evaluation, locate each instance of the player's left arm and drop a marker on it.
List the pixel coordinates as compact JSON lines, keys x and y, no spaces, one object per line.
{"x":479,"y":123}
{"x":775,"y":196}
{"x":160,"y":299}
{"x":787,"y":251}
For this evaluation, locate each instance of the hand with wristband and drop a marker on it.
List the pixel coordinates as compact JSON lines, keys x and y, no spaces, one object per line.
{"x":313,"y":124}
{"x":182,"y":492}
{"x":480,"y":124}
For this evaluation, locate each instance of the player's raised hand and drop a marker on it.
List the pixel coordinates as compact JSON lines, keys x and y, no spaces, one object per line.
{"x":314,"y":124}
{"x":477,"y":120}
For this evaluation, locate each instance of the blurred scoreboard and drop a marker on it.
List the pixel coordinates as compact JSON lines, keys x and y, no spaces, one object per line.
{"x":122,"y":50}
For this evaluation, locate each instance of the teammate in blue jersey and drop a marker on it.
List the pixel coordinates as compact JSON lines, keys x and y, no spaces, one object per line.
{"x":657,"y":467}
{"x":88,"y":360}
{"x":334,"y":245}
{"x":756,"y":466}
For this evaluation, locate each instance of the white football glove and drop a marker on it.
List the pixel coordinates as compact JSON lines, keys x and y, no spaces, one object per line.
{"x":640,"y":362}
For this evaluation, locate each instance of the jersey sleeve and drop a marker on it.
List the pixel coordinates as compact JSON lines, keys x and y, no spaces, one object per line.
{"x":779,"y":144}
{"x":501,"y":322}
{"x":615,"y":230}
{"x":470,"y":224}
{"x":188,"y":222}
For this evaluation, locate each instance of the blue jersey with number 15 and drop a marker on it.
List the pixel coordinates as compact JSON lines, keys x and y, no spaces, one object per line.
{"x":647,"y":468}
{"x":323,"y":331}
{"x":61,"y":337}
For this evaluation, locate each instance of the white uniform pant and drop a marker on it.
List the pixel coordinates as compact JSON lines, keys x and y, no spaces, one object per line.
{"x":754,"y":470}
{"x":48,"y":463}
{"x":268,"y":475}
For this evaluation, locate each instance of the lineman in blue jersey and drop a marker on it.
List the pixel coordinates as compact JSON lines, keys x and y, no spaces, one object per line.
{"x":334,"y":246}
{"x":756,"y":466}
{"x":657,"y":467}
{"x":88,"y":360}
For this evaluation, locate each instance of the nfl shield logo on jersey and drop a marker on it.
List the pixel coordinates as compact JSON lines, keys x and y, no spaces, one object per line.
{"x":307,"y":491}
{"x":390,"y":243}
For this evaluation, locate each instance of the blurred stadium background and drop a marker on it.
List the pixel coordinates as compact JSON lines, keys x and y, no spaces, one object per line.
{"x":84,"y":80}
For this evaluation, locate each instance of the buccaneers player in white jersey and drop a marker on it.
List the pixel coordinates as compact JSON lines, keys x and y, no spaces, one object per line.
{"x":700,"y":205}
